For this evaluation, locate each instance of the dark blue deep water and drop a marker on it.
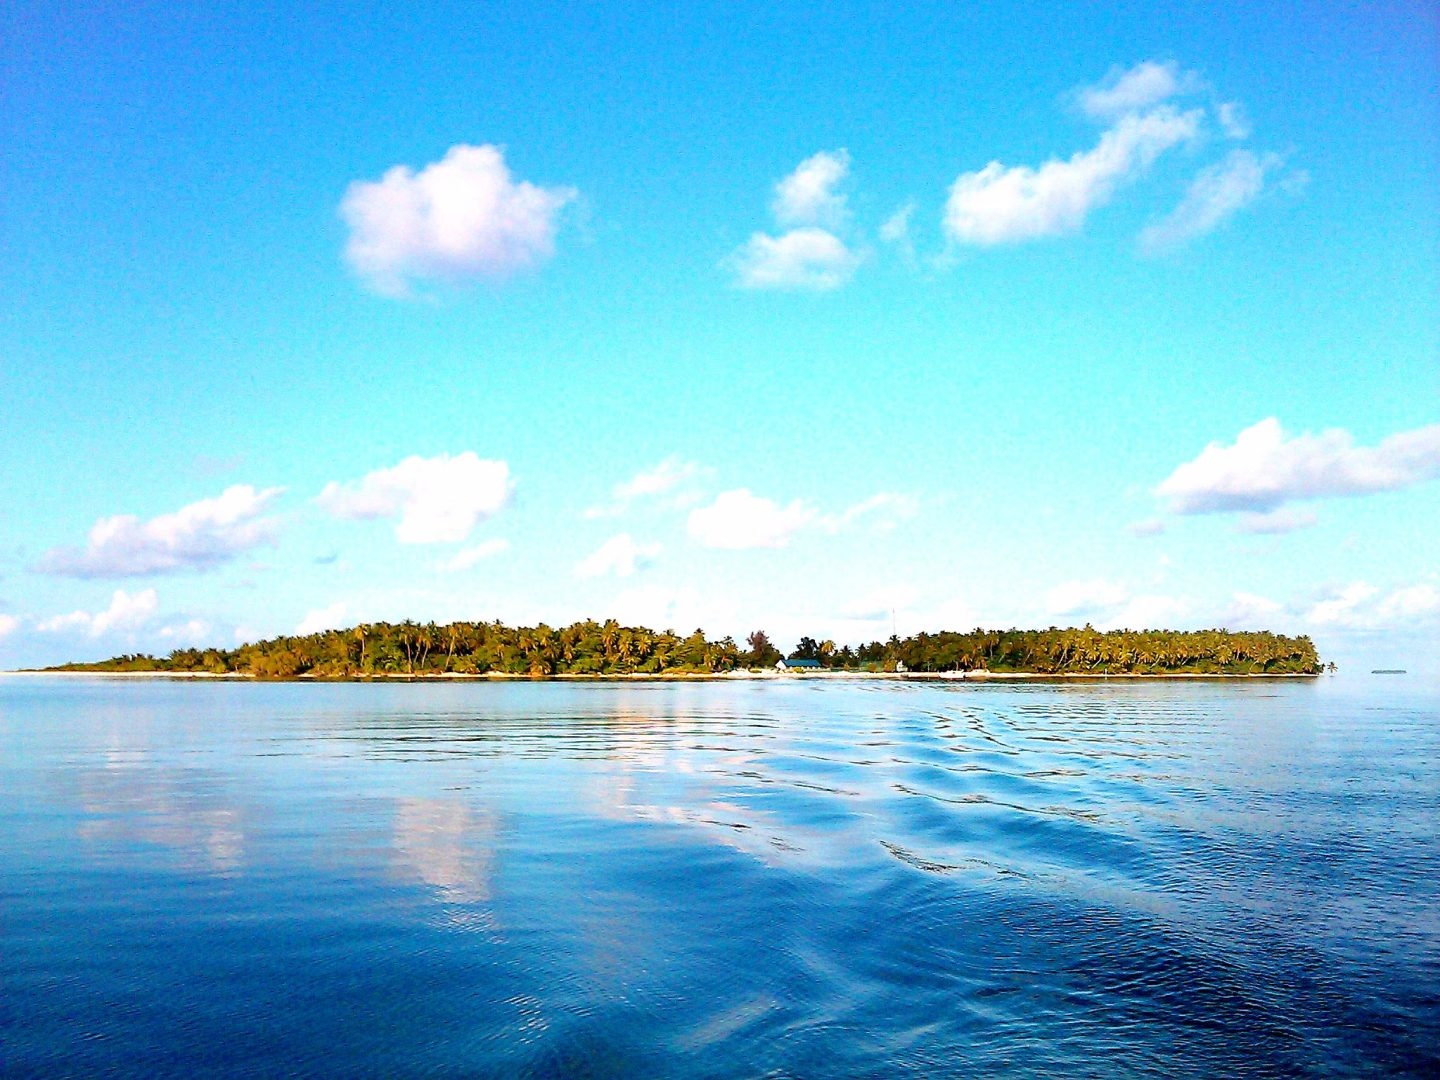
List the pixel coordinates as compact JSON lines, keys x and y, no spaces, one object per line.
{"x":807,"y":879}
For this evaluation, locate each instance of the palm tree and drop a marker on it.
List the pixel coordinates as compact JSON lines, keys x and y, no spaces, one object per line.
{"x":360,"y":632}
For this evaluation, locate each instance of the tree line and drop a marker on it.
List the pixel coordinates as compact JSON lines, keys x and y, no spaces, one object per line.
{"x":607,"y":648}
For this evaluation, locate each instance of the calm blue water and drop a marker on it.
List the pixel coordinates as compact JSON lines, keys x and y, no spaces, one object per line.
{"x":720,"y":879}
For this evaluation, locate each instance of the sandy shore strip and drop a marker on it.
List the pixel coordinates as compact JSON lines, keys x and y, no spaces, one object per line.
{"x":760,"y":676}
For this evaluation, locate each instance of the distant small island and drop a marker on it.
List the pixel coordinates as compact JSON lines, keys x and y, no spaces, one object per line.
{"x":408,"y":649}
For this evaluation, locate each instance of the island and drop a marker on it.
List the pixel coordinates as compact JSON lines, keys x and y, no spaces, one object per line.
{"x":591,"y":648}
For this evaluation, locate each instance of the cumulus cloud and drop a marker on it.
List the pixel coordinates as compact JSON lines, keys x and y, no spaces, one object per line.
{"x":458,"y":218}
{"x":896,"y":228}
{"x":808,"y":196}
{"x":1249,"y":610}
{"x":1150,"y":611}
{"x":1217,"y":194}
{"x":466,"y":558}
{"x":1000,"y":204}
{"x":1264,"y":469}
{"x":662,"y":479}
{"x":191,"y":630}
{"x":738,"y":520}
{"x":811,"y":255}
{"x":126,"y":612}
{"x":807,"y":258}
{"x":8,"y":625}
{"x":1362,"y":606}
{"x":322,"y":619}
{"x":200,"y":536}
{"x":885,"y":509}
{"x":687,"y":607}
{"x":1412,"y":601}
{"x":1109,"y":605}
{"x":619,"y":556}
{"x":438,"y":500}
{"x":1233,"y":120}
{"x":672,"y":477}
{"x":1126,"y":91}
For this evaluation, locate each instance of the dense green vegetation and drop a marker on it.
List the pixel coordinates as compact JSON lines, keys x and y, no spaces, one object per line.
{"x":593,"y":648}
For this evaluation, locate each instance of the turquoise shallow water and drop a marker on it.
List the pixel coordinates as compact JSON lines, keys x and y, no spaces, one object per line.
{"x":803,"y":879}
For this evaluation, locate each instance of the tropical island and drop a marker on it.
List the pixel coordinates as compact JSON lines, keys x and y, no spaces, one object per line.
{"x":459,"y":649}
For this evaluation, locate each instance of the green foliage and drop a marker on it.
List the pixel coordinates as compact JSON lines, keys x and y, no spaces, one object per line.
{"x":761,"y":653}
{"x":462,"y":648}
{"x":593,"y":648}
{"x":1085,"y":650}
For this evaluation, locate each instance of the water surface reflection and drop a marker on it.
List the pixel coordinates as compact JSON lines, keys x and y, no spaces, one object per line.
{"x":719,"y":879}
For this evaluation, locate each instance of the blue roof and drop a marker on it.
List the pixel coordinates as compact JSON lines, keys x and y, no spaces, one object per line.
{"x":801,"y":663}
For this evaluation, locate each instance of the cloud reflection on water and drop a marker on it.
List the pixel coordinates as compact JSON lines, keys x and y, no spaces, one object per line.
{"x":185,"y":810}
{"x":448,"y":845}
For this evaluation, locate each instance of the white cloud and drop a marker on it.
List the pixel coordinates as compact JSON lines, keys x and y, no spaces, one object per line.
{"x":1285,"y":519}
{"x":321,"y":619}
{"x":663,"y":478}
{"x":468,"y":557}
{"x":896,"y":228}
{"x":1085,"y":597}
{"x":812,"y":255}
{"x":1264,"y":469}
{"x":808,"y":197}
{"x":620,"y":556}
{"x":999,"y":205}
{"x":806,"y":258}
{"x":1233,"y":120}
{"x":1348,"y":606}
{"x":1362,"y":606}
{"x":672,"y":477}
{"x":900,"y":607}
{"x":191,"y":630}
{"x":1110,"y":606}
{"x":438,"y":500}
{"x":1249,"y":610}
{"x":1147,"y":83}
{"x":457,"y":218}
{"x":1411,"y":602}
{"x":1217,"y":194}
{"x":737,"y":520}
{"x":886,"y":509}
{"x":681,"y":609}
{"x":195,"y":537}
{"x":8,"y":625}
{"x":1151,"y":527}
{"x":1148,"y":612}
{"x":125,"y":612}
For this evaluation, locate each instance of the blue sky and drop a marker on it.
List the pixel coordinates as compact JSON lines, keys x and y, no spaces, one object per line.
{"x":813,"y":320}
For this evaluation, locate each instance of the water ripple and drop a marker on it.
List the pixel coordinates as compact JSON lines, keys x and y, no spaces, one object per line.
{"x":812,"y":879}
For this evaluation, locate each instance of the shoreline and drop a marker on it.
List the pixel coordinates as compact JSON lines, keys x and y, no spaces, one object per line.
{"x":742,"y":676}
